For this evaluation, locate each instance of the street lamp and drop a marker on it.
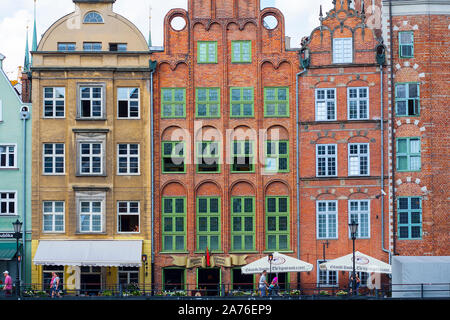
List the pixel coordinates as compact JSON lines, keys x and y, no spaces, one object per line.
{"x":270,"y":263}
{"x":353,"y":230}
{"x":17,"y":234}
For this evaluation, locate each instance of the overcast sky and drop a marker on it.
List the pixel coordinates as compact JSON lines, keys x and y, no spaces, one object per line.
{"x":301,"y":17}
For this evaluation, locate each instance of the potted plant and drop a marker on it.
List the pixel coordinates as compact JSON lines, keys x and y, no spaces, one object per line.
{"x":341,"y":293}
{"x":41,"y":294}
{"x":324,"y":293}
{"x":106,"y":293}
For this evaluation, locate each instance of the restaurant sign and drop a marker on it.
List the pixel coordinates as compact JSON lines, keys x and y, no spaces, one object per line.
{"x":6,"y":235}
{"x":215,"y":261}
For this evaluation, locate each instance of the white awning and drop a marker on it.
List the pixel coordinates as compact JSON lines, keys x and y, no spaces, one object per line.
{"x":113,"y":253}
{"x":364,"y":263}
{"x":280,"y":264}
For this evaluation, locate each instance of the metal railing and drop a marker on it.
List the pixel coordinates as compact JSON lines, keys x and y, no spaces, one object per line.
{"x":241,"y":291}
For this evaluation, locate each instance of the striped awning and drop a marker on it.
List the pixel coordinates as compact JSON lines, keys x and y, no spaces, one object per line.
{"x":7,"y":251}
{"x":111,"y":253}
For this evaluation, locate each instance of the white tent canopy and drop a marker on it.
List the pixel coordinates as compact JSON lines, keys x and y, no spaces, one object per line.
{"x":113,"y":253}
{"x":280,"y":264}
{"x":364,"y":263}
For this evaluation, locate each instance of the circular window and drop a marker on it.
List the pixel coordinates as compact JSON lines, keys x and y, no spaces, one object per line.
{"x":270,"y":22}
{"x":178,"y":23}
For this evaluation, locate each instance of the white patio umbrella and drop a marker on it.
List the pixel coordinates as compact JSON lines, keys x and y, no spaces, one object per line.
{"x":280,"y":264}
{"x":364,"y":263}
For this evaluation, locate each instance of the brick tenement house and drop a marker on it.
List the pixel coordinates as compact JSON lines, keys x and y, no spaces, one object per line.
{"x":343,"y":137}
{"x":224,"y":144}
{"x":418,"y":33}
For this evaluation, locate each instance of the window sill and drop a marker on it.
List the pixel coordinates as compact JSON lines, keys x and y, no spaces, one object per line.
{"x":90,"y":119}
{"x":78,"y":233}
{"x":244,"y":252}
{"x":54,"y":174}
{"x":174,"y":252}
{"x":12,"y":215}
{"x":12,"y":169}
{"x":90,"y":175}
{"x":128,"y":233}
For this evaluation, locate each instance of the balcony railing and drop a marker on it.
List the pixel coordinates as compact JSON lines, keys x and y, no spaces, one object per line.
{"x":229,"y":291}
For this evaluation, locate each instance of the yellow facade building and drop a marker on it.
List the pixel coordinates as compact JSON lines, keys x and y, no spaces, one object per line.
{"x":91,"y":180}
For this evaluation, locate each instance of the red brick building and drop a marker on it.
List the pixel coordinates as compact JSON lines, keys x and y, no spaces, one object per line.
{"x":343,"y":143}
{"x":418,"y":34}
{"x":225,"y":160}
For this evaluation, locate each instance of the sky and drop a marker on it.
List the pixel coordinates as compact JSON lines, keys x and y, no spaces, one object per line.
{"x":301,"y":17}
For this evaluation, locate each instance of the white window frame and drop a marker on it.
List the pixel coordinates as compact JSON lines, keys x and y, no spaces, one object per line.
{"x":127,"y":272}
{"x":7,"y":145}
{"x":128,"y":157}
{"x":53,"y":156}
{"x":91,"y":214}
{"x":343,"y":50}
{"x":327,"y":156}
{"x":327,"y":284}
{"x":327,"y":213}
{"x":128,"y":213}
{"x":359,"y":213}
{"x":358,"y":156}
{"x":8,"y":201}
{"x":358,"y":99}
{"x":91,"y":99}
{"x":91,"y":156}
{"x":321,"y":103}
{"x":362,"y":284}
{"x":53,"y":213}
{"x":129,"y":100}
{"x":54,"y":100}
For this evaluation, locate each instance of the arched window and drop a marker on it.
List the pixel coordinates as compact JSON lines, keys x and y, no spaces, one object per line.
{"x":93,"y":17}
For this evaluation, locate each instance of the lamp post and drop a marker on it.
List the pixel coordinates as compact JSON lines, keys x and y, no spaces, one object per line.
{"x":17,"y":234}
{"x":353,"y":230}
{"x":270,"y":263}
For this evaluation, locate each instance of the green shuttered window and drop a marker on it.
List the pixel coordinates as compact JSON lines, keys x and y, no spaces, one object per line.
{"x":173,"y":103}
{"x":276,"y":102}
{"x":277,"y":223}
{"x":207,"y":51}
{"x":207,"y":103}
{"x":242,"y":103}
{"x":173,"y":224}
{"x":208,"y":223}
{"x":242,"y":224}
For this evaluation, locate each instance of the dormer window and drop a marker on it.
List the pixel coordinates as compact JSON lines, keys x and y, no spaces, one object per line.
{"x":93,"y":17}
{"x":343,"y":50}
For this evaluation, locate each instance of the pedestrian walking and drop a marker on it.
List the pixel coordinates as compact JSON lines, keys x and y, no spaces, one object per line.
{"x":263,"y":283}
{"x":7,"y":288}
{"x":54,"y":285}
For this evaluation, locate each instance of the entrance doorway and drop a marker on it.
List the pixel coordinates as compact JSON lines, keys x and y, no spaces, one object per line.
{"x":173,"y":279}
{"x":208,"y":281}
{"x":91,"y":280}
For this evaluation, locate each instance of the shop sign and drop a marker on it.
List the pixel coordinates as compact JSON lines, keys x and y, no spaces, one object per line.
{"x":215,"y":261}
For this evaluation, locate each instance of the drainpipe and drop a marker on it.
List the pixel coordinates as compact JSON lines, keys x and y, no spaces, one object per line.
{"x":24,"y":115}
{"x":152,"y":264}
{"x":394,"y":204}
{"x":382,"y":161}
{"x":297,"y":104}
